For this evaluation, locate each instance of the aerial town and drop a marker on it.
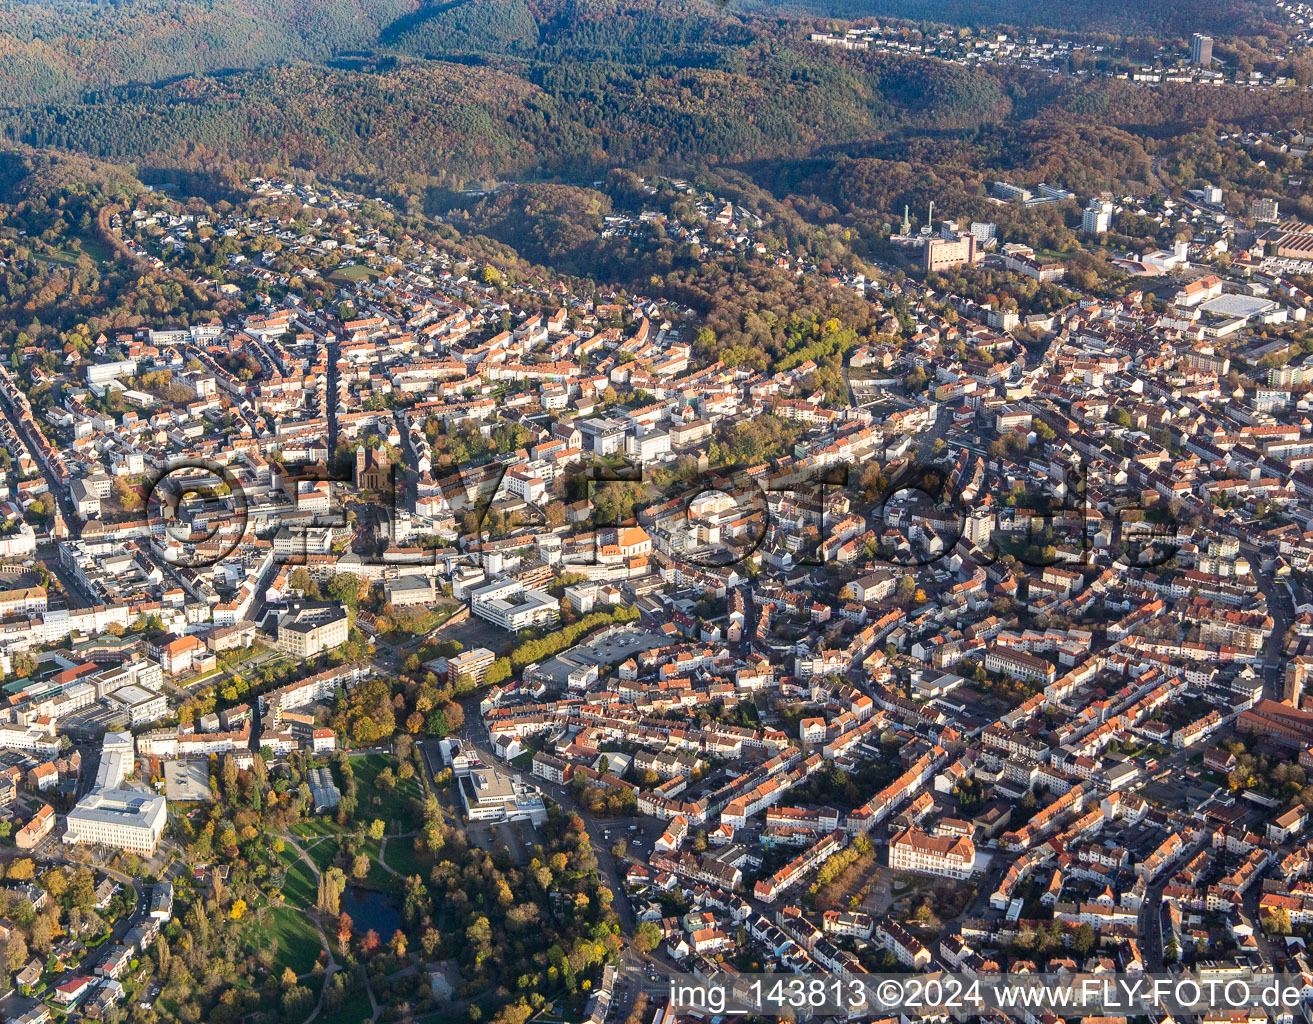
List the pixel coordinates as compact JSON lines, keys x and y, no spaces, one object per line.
{"x":993,"y":653}
{"x":1074,"y":54}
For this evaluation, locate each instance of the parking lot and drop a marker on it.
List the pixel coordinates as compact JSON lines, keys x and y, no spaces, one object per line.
{"x":187,"y":780}
{"x":471,"y":632}
{"x":611,"y":649}
{"x":638,"y":833}
{"x":518,"y":837}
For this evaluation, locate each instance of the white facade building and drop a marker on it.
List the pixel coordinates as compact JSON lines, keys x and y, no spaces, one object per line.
{"x":508,"y":603}
{"x":1097,"y":217}
{"x":489,"y":795}
{"x":125,"y":819}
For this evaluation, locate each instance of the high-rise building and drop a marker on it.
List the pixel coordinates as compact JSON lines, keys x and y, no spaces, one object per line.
{"x":1263,"y":209}
{"x":1097,"y":217}
{"x":942,"y":253}
{"x":1201,"y":49}
{"x":472,"y":664}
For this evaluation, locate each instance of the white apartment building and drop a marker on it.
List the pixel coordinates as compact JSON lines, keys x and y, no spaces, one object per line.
{"x":140,"y":704}
{"x":171,"y":743}
{"x":1097,"y":218}
{"x":651,"y":445}
{"x":117,"y":760}
{"x":103,"y":373}
{"x":849,"y":924}
{"x":320,"y":686}
{"x":30,"y":738}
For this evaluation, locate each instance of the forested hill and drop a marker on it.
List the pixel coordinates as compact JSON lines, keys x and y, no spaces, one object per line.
{"x":54,"y":51}
{"x":450,"y":124}
{"x":663,"y":31}
{"x":419,"y":99}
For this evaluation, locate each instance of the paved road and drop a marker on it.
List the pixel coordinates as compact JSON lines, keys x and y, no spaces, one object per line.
{"x":120,"y":928}
{"x":1151,"y":933}
{"x":1280,"y":607}
{"x":57,"y":489}
{"x":943,"y":420}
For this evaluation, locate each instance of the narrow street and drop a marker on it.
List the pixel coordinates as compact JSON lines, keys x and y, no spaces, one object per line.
{"x":1281,"y":608}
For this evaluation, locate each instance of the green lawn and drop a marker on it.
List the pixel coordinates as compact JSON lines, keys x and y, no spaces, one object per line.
{"x":354,"y":1010}
{"x":322,"y":839}
{"x":299,"y":888}
{"x":354,"y":274}
{"x":92,"y":245}
{"x":403,"y":858}
{"x":232,"y":660}
{"x":322,"y":852}
{"x":298,"y":942}
{"x":378,"y":878}
{"x":97,"y":248}
{"x":60,"y":257}
{"x":215,"y":674}
{"x":312,"y":827}
{"x":375,"y":802}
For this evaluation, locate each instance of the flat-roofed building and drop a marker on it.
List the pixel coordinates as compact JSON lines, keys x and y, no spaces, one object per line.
{"x":140,"y":704}
{"x":472,"y":664}
{"x":411,"y":590}
{"x":490,"y":795}
{"x":508,"y":603}
{"x":187,"y":781}
{"x":944,"y":253}
{"x":310,"y":629}
{"x":32,"y":739}
{"x":117,"y":760}
{"x":125,"y":819}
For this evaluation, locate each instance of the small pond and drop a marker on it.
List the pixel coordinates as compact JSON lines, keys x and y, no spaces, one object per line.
{"x":368,"y":909}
